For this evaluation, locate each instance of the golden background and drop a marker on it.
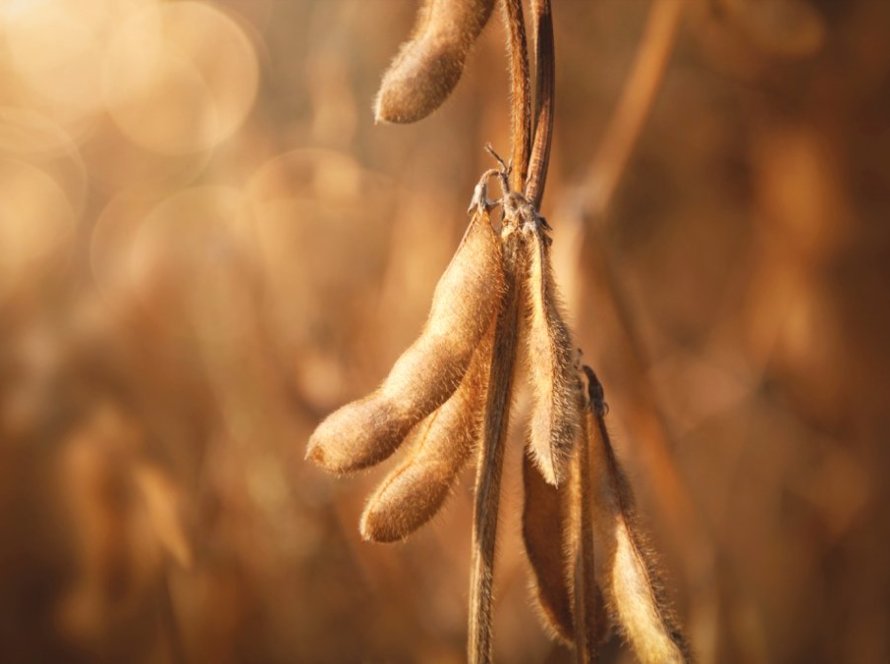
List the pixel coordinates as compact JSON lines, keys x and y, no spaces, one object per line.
{"x":206,"y":245}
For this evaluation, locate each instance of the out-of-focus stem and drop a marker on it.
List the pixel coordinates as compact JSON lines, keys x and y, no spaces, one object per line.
{"x":634,"y":106}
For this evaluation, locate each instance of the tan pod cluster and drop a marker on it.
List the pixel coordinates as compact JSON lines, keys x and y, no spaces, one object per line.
{"x":415,"y":490}
{"x":367,"y":431}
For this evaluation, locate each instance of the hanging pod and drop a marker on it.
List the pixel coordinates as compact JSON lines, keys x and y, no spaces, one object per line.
{"x":367,"y":431}
{"x":629,"y":573}
{"x":416,"y":489}
{"x":551,"y":358}
{"x":430,"y":63}
{"x":558,"y":534}
{"x":547,"y":539}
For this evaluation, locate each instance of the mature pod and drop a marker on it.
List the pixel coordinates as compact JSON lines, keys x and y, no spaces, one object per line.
{"x":591,"y":621}
{"x":430,"y":63}
{"x":367,"y":431}
{"x":547,"y":544}
{"x":413,"y":492}
{"x":551,"y":360}
{"x":630,"y":575}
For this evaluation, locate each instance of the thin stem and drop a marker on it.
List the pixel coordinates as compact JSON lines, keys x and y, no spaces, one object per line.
{"x":520,"y":91}
{"x":545,"y":86}
{"x":636,"y":102}
{"x":488,"y":479}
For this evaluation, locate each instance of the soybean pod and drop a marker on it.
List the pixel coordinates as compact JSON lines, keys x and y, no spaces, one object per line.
{"x":367,"y":431}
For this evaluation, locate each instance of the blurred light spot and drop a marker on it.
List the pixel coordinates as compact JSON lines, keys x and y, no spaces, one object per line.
{"x":54,"y":47}
{"x":309,"y":203}
{"x":112,"y":238}
{"x":180,"y":77}
{"x":799,"y":192}
{"x":25,"y":131}
{"x":266,"y":484}
{"x":790,"y":28}
{"x":36,"y":219}
{"x":334,"y":115}
{"x":45,"y":145}
{"x":115,"y":163}
{"x":174,"y":246}
{"x":308,"y":173}
{"x":162,"y":500}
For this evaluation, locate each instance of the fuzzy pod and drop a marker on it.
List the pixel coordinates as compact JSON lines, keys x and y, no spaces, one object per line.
{"x":629,"y":573}
{"x":430,"y":63}
{"x":367,"y":431}
{"x":551,"y":356}
{"x":545,"y":532}
{"x":589,"y":611}
{"x":416,"y":489}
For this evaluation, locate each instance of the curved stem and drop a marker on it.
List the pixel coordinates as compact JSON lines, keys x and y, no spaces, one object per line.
{"x":636,"y":102}
{"x":545,"y":64}
{"x":520,"y":91}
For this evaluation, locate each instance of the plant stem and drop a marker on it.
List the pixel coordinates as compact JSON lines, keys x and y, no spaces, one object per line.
{"x":545,"y":85}
{"x":635,"y":103}
{"x":491,"y":459}
{"x":520,"y":91}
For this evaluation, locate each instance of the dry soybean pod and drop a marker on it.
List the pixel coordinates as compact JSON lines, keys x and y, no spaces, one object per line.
{"x":413,"y":492}
{"x":547,"y":543}
{"x":430,"y":63}
{"x":367,"y":431}
{"x":630,"y":574}
{"x":591,"y":622}
{"x":551,"y":359}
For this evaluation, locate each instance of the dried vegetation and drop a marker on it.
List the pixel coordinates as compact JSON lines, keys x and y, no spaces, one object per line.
{"x":201,"y":258}
{"x":512,"y":279}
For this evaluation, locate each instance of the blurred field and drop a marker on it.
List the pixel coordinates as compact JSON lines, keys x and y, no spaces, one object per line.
{"x":206,"y":245}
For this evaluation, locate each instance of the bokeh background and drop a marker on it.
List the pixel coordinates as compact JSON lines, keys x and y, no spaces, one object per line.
{"x":206,"y":245}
